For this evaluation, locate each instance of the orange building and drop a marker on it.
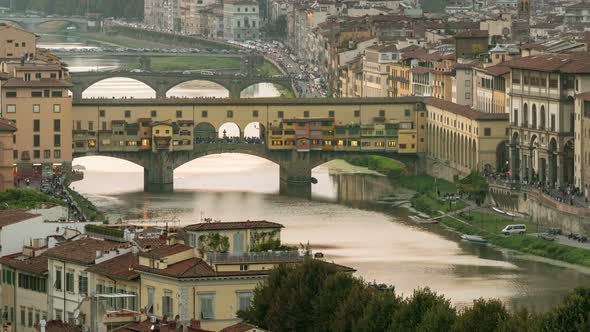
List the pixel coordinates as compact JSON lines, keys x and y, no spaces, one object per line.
{"x":7,"y":130}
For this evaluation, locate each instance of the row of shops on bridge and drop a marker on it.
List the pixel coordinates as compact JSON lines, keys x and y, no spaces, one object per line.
{"x":300,"y":134}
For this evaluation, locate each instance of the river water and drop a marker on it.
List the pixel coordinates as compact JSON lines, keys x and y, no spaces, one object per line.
{"x":380,"y":241}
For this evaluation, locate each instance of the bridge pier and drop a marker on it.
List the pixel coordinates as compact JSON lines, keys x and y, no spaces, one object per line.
{"x":158,"y":173}
{"x":295,"y":179}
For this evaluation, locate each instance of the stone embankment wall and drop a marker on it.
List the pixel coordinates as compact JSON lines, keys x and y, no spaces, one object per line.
{"x":542,"y":209}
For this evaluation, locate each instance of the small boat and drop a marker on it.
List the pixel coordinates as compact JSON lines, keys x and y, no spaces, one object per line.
{"x":474,"y":238}
{"x":498,"y":210}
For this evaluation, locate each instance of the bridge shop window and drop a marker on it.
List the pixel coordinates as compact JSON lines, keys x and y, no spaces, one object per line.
{"x":204,"y":114}
{"x":357,"y":113}
{"x":178,"y":114}
{"x":230,"y":114}
{"x":306,"y":114}
{"x":280,"y":114}
{"x":330,"y":114}
{"x":153,"y":114}
{"x":254,"y":114}
{"x":127,"y":114}
{"x":101,"y":113}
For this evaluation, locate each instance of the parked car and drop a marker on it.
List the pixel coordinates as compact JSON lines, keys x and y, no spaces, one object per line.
{"x":514,"y":229}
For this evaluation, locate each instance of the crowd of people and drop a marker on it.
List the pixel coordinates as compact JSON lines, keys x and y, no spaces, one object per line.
{"x":55,"y":186}
{"x":229,"y":140}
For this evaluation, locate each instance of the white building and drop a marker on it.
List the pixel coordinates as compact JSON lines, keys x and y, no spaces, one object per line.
{"x":241,"y":20}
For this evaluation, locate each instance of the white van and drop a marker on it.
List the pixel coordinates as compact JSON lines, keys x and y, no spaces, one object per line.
{"x":514,"y":229}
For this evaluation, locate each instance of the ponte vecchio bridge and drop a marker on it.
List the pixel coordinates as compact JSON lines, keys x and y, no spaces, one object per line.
{"x":296,"y":134}
{"x":162,"y":82}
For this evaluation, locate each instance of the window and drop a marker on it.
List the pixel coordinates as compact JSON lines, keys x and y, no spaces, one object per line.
{"x":36,"y":141}
{"x":167,"y":304}
{"x":206,"y":306}
{"x":330,"y":114}
{"x":357,"y":113}
{"x":306,"y":114}
{"x":467,"y":95}
{"x":57,"y":125}
{"x":83,"y":284}
{"x":153,"y":114}
{"x":10,"y":108}
{"x":27,"y":77}
{"x":131,"y":301}
{"x":36,"y":125}
{"x":382,"y":113}
{"x":244,"y":300}
{"x":230,"y":114}
{"x":407,"y":112}
{"x":254,"y":114}
{"x":56,"y":108}
{"x":57,"y":140}
{"x":70,"y":281}
{"x":56,"y":93}
{"x":204,"y":114}
{"x":53,"y":75}
{"x":36,"y":94}
{"x":36,"y":108}
{"x":56,"y":154}
{"x":487,"y":131}
{"x":22,"y":316}
{"x":46,"y":154}
{"x":30,"y":318}
{"x":45,"y":92}
{"x":57,"y":283}
{"x":178,"y":114}
{"x":11,"y":94}
{"x":467,"y":83}
{"x":15,"y":154}
{"x":121,"y":300}
{"x":127,"y":114}
{"x":58,"y":314}
{"x":280,"y":114}
{"x":150,"y":300}
{"x":90,"y":125}
{"x":101,"y":113}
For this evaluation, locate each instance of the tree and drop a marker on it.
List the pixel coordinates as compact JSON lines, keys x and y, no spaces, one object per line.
{"x":413,"y":309}
{"x":378,"y":312}
{"x":475,"y":185}
{"x":483,"y":316}
{"x":573,"y":314}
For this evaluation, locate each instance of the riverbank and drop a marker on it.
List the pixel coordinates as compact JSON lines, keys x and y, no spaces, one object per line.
{"x":197,"y":62}
{"x":486,"y":224}
{"x":86,"y":206}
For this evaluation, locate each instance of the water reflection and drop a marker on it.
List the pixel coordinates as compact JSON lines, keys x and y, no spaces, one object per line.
{"x":380,"y":241}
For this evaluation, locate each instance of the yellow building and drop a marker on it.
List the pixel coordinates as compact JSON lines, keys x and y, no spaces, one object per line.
{"x":582,"y":143}
{"x":490,"y":89}
{"x":399,"y":80}
{"x":42,"y":110}
{"x":16,"y":43}
{"x":465,"y":139}
{"x":23,"y":299}
{"x":213,"y":275}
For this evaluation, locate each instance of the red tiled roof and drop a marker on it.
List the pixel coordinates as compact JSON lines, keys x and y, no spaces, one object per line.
{"x":497,"y":70}
{"x":34,"y":265}
{"x":120,"y":267}
{"x":83,"y":251}
{"x":13,"y":216}
{"x":162,"y":252}
{"x":241,"y":327}
{"x":464,"y":111}
{"x":150,"y":242}
{"x":189,"y":268}
{"x":249,"y":224}
{"x":566,"y":63}
{"x":6,"y":125}
{"x":59,"y":326}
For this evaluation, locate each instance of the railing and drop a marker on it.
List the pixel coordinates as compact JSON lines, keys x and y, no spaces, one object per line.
{"x":256,"y":257}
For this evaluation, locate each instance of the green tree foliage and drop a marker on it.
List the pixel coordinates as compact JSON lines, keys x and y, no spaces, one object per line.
{"x":475,"y":185}
{"x":213,"y":242}
{"x":24,"y":199}
{"x":315,"y":296}
{"x":483,"y":316}
{"x":386,"y":166}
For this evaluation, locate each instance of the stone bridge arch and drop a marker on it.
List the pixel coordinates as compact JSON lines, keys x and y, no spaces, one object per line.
{"x":285,"y":84}
{"x":81,"y":85}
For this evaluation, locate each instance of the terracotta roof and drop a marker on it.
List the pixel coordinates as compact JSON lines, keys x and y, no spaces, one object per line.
{"x":34,"y":265}
{"x":150,"y":242}
{"x":165,"y":251}
{"x":83,"y":251}
{"x":59,"y":326}
{"x":120,"y":267}
{"x":465,"y":111}
{"x":497,"y":70}
{"x":6,"y":125}
{"x":42,"y":83}
{"x":566,"y":63}
{"x":196,"y":268}
{"x":382,"y":48}
{"x":169,"y":326}
{"x":250,"y":224}
{"x":241,"y":327}
{"x":13,"y":216}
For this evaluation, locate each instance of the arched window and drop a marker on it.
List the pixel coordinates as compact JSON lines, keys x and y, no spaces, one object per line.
{"x":525,"y":115}
{"x":534,"y":116}
{"x":543,"y":118}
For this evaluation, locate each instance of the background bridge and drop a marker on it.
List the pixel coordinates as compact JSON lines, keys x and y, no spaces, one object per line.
{"x":30,"y":23}
{"x":162,"y":82}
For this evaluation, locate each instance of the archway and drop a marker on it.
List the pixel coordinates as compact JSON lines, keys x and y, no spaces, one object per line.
{"x":263,"y":90}
{"x":255,"y":132}
{"x":104,"y":175}
{"x":198,"y":89}
{"x":552,"y":163}
{"x":119,"y":87}
{"x":543,"y":121}
{"x":230,"y":132}
{"x":205,"y":133}
{"x":515,"y":156}
{"x":568,"y":163}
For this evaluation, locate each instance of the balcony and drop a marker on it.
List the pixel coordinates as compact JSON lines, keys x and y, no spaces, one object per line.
{"x":255,"y":257}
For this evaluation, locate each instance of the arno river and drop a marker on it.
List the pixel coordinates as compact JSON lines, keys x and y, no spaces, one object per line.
{"x":379,"y":240}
